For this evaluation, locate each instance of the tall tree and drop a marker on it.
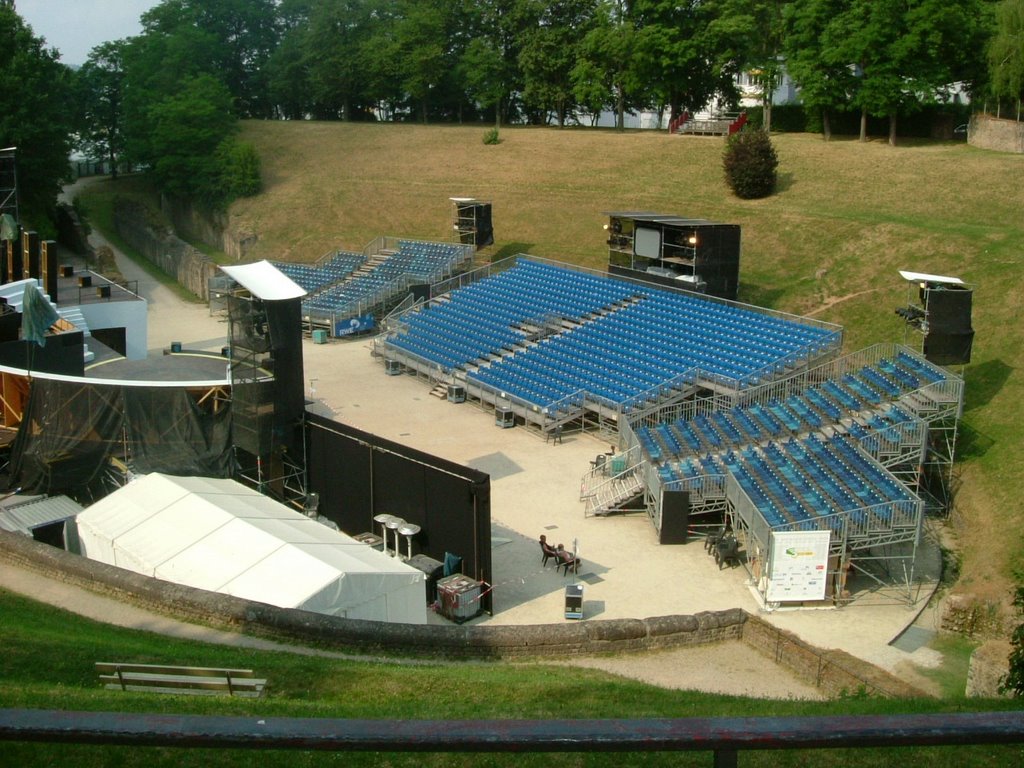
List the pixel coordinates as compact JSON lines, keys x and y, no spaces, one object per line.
{"x":1006,"y":54}
{"x":187,"y":131}
{"x":905,"y":51}
{"x":100,"y":84}
{"x":420,"y":36}
{"x":491,"y":60}
{"x":549,"y":53}
{"x":335,"y":48}
{"x":34,"y":115}
{"x":689,"y":52}
{"x":244,"y":33}
{"x":826,"y":81}
{"x":606,"y":73}
{"x":767,"y":51}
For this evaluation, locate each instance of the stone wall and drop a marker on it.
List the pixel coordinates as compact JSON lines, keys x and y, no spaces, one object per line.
{"x":965,"y":614}
{"x":834,"y":672}
{"x":186,"y":264}
{"x":989,"y":666}
{"x":70,"y":231}
{"x":987,"y":132}
{"x":212,"y":228}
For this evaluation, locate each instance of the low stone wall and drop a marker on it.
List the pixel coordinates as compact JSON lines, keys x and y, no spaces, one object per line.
{"x":465,"y":641}
{"x":989,"y":666}
{"x":186,"y":264}
{"x":967,"y":615}
{"x":987,"y":132}
{"x":834,"y":672}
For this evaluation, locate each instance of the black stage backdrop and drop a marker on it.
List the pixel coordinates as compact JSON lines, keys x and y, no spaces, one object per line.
{"x":71,"y":429}
{"x":359,"y":475}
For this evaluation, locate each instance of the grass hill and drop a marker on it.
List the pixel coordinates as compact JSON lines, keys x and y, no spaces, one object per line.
{"x":847,"y":215}
{"x":49,"y":656}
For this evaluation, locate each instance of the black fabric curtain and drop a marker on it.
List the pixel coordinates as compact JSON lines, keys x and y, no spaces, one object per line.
{"x":71,"y":430}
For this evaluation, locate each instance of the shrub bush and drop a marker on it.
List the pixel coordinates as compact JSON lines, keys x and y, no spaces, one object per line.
{"x":750,"y":163}
{"x":1014,"y":681}
{"x":239,"y":166}
{"x":492,"y":137}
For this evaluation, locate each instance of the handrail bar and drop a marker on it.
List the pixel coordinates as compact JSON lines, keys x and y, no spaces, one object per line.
{"x":725,"y":736}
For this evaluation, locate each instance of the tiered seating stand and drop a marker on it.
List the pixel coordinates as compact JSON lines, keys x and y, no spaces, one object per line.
{"x":839,"y":447}
{"x":561,"y":346}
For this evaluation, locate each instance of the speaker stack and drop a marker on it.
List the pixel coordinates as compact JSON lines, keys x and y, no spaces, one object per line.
{"x":949,"y":337}
{"x":473,"y":222}
{"x":942,"y":312}
{"x":30,"y":247}
{"x":50,"y":268}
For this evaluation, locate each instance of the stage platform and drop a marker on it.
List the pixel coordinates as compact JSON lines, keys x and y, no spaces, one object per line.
{"x":179,"y":367}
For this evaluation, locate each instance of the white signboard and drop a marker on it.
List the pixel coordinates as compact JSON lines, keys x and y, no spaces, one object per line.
{"x":798,"y":568}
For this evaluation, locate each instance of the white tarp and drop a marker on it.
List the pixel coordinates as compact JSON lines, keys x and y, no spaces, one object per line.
{"x":265,"y":281}
{"x":224,"y":537}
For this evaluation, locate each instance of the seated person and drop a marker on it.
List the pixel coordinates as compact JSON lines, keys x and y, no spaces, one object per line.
{"x":547,"y":550}
{"x":566,"y":558}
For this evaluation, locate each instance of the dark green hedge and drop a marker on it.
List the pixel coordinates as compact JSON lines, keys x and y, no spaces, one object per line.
{"x":935,"y":121}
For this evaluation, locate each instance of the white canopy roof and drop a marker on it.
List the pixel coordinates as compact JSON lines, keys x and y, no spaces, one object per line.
{"x":265,"y":281}
{"x":222,"y":536}
{"x":921,"y":277}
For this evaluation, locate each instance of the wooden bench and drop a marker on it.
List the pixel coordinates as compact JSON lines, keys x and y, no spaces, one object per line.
{"x":203,"y":681}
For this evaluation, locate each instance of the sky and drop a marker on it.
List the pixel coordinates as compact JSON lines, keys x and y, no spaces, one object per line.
{"x":75,"y":27}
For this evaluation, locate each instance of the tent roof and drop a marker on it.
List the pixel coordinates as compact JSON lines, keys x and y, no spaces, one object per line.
{"x":265,"y":281}
{"x":223,"y":536}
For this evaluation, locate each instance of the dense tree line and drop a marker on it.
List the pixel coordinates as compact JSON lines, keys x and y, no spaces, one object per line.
{"x":551,"y":61}
{"x":170,"y":98}
{"x":34,"y":117}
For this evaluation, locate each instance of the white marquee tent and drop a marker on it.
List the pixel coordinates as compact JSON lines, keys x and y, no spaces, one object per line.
{"x":224,"y":537}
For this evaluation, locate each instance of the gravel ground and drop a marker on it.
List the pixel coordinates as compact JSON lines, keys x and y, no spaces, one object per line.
{"x":731,"y":668}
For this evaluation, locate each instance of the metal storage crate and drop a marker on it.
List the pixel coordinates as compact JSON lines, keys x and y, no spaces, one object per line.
{"x":458,"y":597}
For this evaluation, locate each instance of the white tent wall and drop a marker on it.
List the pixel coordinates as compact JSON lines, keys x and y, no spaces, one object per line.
{"x":221,"y":536}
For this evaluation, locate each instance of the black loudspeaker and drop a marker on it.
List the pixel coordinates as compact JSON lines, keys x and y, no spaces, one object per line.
{"x":420,"y":291}
{"x":15,"y":264}
{"x":30,"y":254}
{"x":949,"y":310}
{"x":675,"y":517}
{"x":484,"y":227}
{"x":948,"y":348}
{"x":950,"y":336}
{"x":48,"y":257}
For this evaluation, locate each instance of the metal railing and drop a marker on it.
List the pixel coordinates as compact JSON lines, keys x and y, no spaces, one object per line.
{"x":724,"y":737}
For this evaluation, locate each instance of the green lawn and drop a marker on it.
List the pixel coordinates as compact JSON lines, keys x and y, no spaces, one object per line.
{"x":48,"y":656}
